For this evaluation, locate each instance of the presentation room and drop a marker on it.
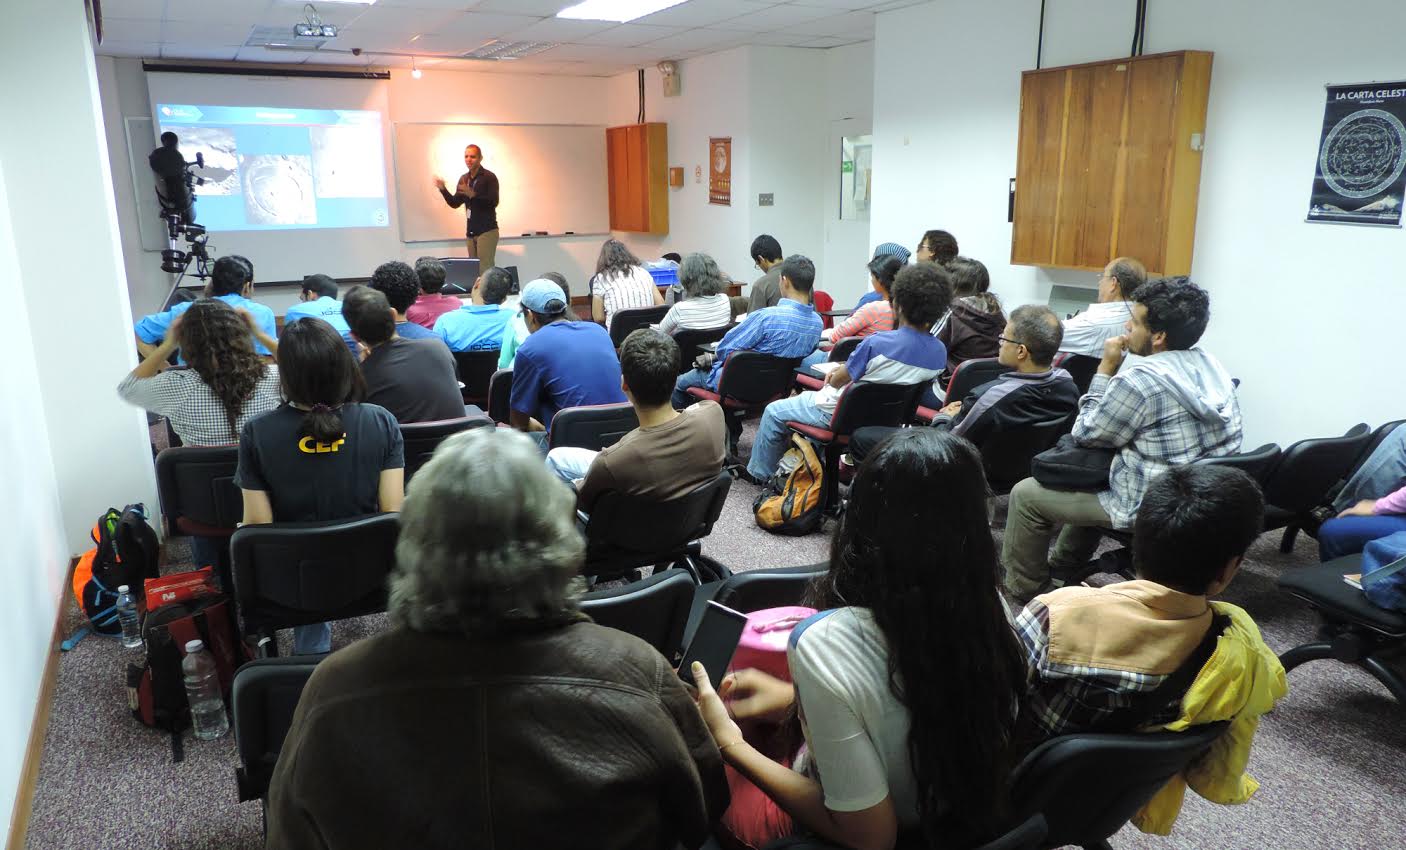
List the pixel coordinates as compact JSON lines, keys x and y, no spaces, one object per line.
{"x":272,"y":260}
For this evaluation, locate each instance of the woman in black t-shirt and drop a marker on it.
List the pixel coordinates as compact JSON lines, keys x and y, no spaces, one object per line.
{"x":321,"y":455}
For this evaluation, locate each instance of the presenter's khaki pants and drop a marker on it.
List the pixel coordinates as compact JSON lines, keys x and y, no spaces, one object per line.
{"x":484,"y":247}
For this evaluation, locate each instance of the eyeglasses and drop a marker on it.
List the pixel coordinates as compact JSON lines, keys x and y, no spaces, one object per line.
{"x":1008,"y":339}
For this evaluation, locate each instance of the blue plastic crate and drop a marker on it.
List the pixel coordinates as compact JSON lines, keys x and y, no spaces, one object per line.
{"x":664,"y":277}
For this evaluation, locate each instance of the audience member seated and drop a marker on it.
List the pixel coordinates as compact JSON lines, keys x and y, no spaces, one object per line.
{"x":1086,"y":332}
{"x":1032,"y":393}
{"x":671,"y":454}
{"x":1381,"y":473}
{"x":415,"y":379}
{"x":1099,"y":655}
{"x":884,"y":251}
{"x":517,"y":330}
{"x":398,"y":283}
{"x":874,"y":316}
{"x":790,"y":329}
{"x":937,"y":246}
{"x":1170,"y":405}
{"x":318,"y":300}
{"x":621,"y":282}
{"x":766,"y":290}
{"x":908,"y":681}
{"x":493,"y":713}
{"x":908,"y":355}
{"x":970,"y":330}
{"x":231,"y":281}
{"x":705,"y":304}
{"x":563,"y":363}
{"x":432,"y":302}
{"x":321,"y":455}
{"x":1350,"y":531}
{"x":480,"y":324}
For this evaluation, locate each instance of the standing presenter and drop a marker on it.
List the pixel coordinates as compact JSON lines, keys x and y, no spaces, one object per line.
{"x":478,"y":189}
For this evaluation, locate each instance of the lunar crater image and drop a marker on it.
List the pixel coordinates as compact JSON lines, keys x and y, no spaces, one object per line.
{"x":278,"y":189}
{"x":221,"y":171}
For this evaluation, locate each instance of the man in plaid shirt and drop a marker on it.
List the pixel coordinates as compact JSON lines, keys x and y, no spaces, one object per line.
{"x":1168,"y":405}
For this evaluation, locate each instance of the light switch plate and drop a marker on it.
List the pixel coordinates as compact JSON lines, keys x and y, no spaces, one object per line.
{"x":766,"y":199}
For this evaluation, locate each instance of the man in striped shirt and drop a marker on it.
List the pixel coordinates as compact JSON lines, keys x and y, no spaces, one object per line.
{"x":790,"y":329}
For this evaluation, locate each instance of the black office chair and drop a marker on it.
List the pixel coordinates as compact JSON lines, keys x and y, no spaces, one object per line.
{"x":1007,"y":453}
{"x":422,"y":438}
{"x":860,"y":404}
{"x":592,"y":426}
{"x":691,"y":344}
{"x":653,"y":610}
{"x":199,"y":498}
{"x":626,"y":322}
{"x":748,"y":382}
{"x":1257,"y":463}
{"x":773,"y":587}
{"x":1303,"y":478}
{"x":1028,"y":836}
{"x":1379,"y":434}
{"x":476,"y":369}
{"x":968,"y":375}
{"x":1353,"y":630}
{"x":839,"y":353}
{"x":500,"y":394}
{"x":1080,"y":367}
{"x":627,"y":532}
{"x":296,"y":574}
{"x":263,"y":698}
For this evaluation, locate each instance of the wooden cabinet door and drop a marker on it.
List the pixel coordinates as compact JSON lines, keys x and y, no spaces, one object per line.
{"x":1090,"y":183}
{"x":1152,"y":97}
{"x":1041,"y":143}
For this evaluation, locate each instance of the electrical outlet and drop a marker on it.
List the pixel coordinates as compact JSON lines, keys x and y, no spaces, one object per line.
{"x":766,"y":199}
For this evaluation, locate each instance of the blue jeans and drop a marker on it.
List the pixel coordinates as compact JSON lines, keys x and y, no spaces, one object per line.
{"x":695,"y":378}
{"x":815,"y":357}
{"x":1383,"y":472}
{"x":570,"y":463}
{"x":1350,"y":534}
{"x":773,"y":437}
{"x":313,"y":639}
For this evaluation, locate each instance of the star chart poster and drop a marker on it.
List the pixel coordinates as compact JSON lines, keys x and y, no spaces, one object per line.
{"x":1361,"y":168}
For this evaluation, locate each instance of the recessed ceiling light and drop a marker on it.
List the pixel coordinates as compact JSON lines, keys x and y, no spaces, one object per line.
{"x":619,"y":11}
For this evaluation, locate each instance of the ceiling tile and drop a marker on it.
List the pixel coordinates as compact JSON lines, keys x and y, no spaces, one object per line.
{"x":897,"y":4}
{"x":148,"y":49}
{"x":781,"y":38}
{"x":827,"y":41}
{"x":702,"y":13}
{"x":776,"y":17}
{"x":699,"y":39}
{"x":264,"y":54}
{"x":484,"y":26}
{"x":543,"y":8}
{"x":845,"y":4}
{"x":185,"y":51}
{"x":846,"y":24}
{"x":631,"y":35}
{"x":133,"y":9}
{"x":226,"y":11}
{"x":131,"y":29}
{"x":559,"y":29}
{"x":373,"y":42}
{"x":391,"y":19}
{"x":209,"y":35}
{"x":602,"y":54}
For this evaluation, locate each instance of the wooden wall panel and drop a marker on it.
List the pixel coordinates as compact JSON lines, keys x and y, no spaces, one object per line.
{"x":1152,"y":101}
{"x":1042,"y":114}
{"x":637,"y":159}
{"x":1087,"y":206}
{"x":1193,"y":98}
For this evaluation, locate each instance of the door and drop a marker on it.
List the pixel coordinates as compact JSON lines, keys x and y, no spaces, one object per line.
{"x":847,"y":191}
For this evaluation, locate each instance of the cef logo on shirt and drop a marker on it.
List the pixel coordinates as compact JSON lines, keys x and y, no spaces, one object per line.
{"x":309,"y":446}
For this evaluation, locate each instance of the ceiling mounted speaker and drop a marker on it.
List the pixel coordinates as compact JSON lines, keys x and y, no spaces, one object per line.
{"x":673,"y":83}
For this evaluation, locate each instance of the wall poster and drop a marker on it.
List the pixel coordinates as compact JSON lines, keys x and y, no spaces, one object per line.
{"x":720,"y":172}
{"x":1361,"y":171}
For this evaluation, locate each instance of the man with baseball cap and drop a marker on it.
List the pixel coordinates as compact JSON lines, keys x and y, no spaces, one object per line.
{"x":561,"y":364}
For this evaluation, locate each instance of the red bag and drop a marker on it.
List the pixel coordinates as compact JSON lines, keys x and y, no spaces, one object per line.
{"x":763,"y":643}
{"x":180,"y":588}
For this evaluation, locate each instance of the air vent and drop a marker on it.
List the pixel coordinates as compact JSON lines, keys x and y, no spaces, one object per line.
{"x":499,"y":49}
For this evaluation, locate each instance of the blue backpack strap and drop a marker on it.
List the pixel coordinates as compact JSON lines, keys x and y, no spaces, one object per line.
{"x":805,"y":624}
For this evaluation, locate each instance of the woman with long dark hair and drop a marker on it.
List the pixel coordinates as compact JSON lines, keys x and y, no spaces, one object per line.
{"x":907,"y":684}
{"x":621,"y":282}
{"x":226,"y":385}
{"x":322,"y":455}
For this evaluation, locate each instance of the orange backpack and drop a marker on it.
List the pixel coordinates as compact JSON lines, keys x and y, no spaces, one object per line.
{"x":792,"y":505}
{"x":126,"y":553}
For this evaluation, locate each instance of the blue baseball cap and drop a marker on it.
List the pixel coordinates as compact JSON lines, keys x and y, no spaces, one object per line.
{"x":543,"y":296}
{"x":891,"y":249}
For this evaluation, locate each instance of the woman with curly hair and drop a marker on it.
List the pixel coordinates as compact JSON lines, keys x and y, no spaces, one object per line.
{"x":226,"y":385}
{"x":620,"y":283}
{"x":907,"y":684}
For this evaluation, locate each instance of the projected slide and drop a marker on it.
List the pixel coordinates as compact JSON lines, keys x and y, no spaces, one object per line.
{"x":269,"y":168}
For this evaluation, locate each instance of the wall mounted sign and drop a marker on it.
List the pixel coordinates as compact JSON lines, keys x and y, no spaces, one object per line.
{"x":720,"y":171}
{"x":1361,"y":171}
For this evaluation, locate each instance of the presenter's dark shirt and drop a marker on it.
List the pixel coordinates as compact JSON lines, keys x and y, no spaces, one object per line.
{"x":483,"y":206}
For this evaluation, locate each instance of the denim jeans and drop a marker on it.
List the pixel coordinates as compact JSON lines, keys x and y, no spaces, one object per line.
{"x":569,"y":463}
{"x":773,"y":437}
{"x":1350,"y":534}
{"x":815,"y":357}
{"x":1382,"y":473}
{"x":695,"y":378}
{"x":313,"y":639}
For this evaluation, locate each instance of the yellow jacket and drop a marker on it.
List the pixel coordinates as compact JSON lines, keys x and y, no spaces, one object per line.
{"x":1242,"y":680}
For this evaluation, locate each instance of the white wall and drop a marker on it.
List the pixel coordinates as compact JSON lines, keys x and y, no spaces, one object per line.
{"x":849,"y":110}
{"x":1289,"y":299}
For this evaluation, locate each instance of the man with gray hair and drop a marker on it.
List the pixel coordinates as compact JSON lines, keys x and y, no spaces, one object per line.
{"x":1086,"y":332}
{"x":431,"y":303}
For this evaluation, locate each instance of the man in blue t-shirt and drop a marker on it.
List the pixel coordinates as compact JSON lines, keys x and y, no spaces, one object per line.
{"x":480,"y":324}
{"x":318,"y":300}
{"x":401,"y":286}
{"x":231,"y":281}
{"x":907,"y":355}
{"x":561,"y":363}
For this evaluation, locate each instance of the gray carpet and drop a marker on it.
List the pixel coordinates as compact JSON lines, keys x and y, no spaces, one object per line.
{"x":1328,"y":759}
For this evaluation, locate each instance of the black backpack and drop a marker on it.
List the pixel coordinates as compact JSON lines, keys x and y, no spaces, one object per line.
{"x":126,"y":552}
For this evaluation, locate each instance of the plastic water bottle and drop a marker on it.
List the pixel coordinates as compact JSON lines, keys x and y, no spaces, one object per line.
{"x":129,"y":618}
{"x":207,"y":706}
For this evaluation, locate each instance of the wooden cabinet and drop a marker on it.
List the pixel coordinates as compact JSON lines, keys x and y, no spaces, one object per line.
{"x":637,"y":157}
{"x":1109,"y":162}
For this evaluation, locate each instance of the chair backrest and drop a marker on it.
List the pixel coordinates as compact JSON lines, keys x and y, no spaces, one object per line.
{"x":1309,"y":469}
{"x":1088,"y":785}
{"x":476,"y":370}
{"x":263,"y":698}
{"x":755,"y":590}
{"x":752,"y":378}
{"x":294,"y":574}
{"x":1080,"y":367}
{"x":1378,"y":436}
{"x":971,"y":374}
{"x":1006,"y":453}
{"x":196,"y":486}
{"x":1258,"y":464}
{"x":691,"y":344}
{"x":422,"y":438}
{"x":624,"y":523}
{"x":500,"y":393}
{"x":822,"y":302}
{"x":654,"y":610}
{"x":592,"y":427}
{"x":626,"y":322}
{"x":862,"y":403}
{"x":843,"y":348}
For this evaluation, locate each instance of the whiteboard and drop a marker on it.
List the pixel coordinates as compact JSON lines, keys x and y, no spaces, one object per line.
{"x":551,"y":177}
{"x":141,"y":141}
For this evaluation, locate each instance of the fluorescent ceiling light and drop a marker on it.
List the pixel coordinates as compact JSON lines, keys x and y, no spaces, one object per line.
{"x":619,"y":11}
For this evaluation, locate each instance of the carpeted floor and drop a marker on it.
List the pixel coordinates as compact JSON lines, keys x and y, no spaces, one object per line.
{"x":1328,"y":758}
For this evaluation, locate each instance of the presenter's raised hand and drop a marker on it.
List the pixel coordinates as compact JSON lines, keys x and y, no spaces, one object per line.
{"x":1114,"y":350}
{"x":439,"y":184}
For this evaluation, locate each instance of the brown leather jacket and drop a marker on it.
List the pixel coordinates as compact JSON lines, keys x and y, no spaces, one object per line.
{"x":568,"y":736}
